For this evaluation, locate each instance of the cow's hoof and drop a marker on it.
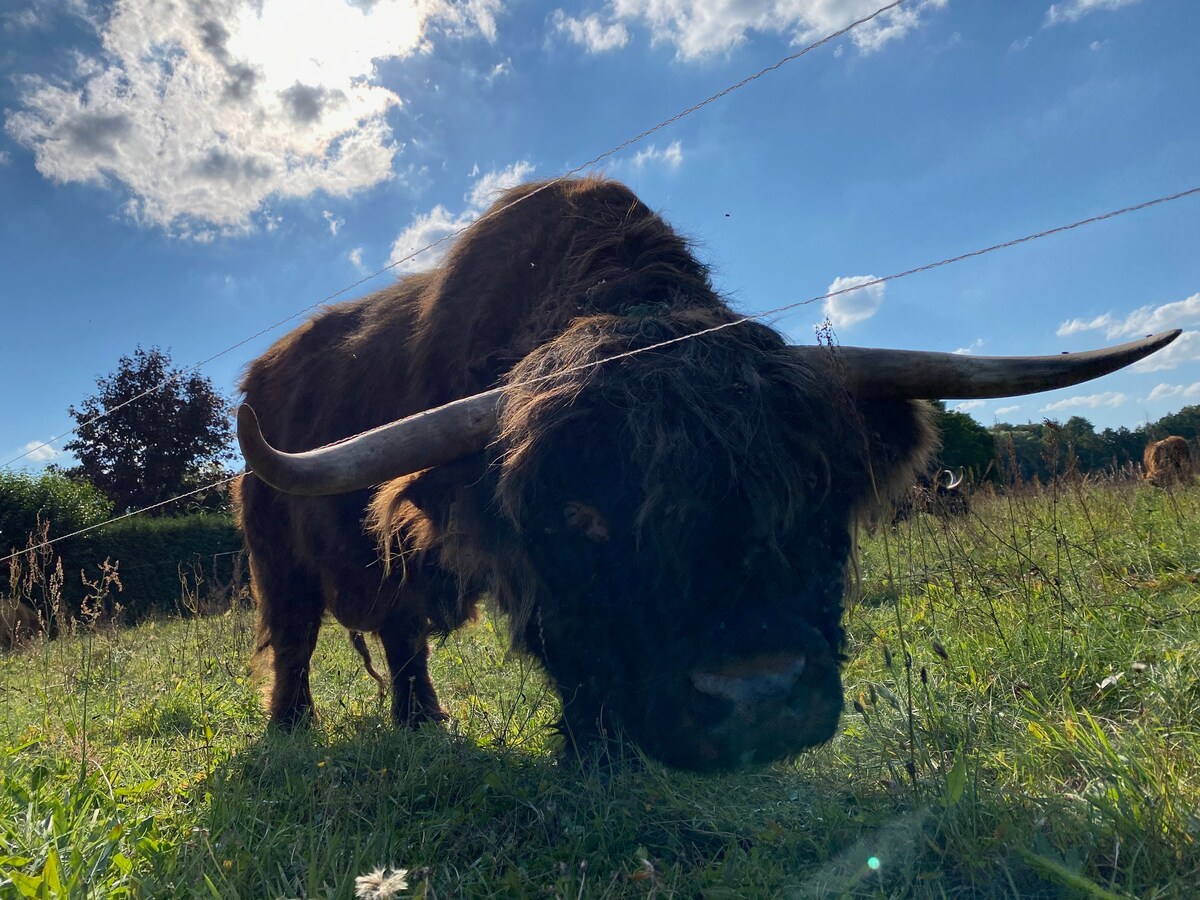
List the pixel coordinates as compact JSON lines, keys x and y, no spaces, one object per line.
{"x":292,"y":720}
{"x":415,"y":718}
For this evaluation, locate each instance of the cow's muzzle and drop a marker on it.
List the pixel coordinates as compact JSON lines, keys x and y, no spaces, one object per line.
{"x":762,"y":680}
{"x":749,"y":711}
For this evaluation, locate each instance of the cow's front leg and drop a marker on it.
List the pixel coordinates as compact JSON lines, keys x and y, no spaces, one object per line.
{"x":289,"y":617}
{"x":406,"y":645}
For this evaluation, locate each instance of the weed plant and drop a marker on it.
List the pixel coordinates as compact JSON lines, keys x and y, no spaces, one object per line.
{"x":1022,"y":720}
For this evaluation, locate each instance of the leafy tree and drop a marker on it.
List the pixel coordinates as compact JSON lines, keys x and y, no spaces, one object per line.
{"x":1080,"y":437}
{"x":965,"y":443}
{"x":1123,"y":445}
{"x":1185,"y":423}
{"x":171,"y":439}
{"x":1021,"y":451}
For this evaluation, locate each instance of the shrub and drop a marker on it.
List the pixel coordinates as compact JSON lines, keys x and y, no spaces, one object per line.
{"x":65,"y":503}
{"x":151,"y":555}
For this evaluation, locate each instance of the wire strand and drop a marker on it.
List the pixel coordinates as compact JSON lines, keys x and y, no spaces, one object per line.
{"x":1058,"y":229}
{"x":453,"y":234}
{"x":126,"y":515}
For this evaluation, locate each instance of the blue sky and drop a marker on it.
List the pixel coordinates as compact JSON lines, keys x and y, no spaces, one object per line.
{"x":188,"y":174}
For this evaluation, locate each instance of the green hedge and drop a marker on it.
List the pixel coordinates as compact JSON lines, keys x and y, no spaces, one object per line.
{"x":151,"y":554}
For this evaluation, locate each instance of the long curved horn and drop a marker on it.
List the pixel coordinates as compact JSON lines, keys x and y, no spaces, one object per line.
{"x":925,"y":375}
{"x":458,"y":429}
{"x":428,"y":439}
{"x":955,"y":480}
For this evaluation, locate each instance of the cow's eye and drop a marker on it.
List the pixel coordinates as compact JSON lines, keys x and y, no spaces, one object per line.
{"x":586,"y":520}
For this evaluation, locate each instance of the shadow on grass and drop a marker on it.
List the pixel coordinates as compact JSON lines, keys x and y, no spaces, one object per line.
{"x":302,"y":815}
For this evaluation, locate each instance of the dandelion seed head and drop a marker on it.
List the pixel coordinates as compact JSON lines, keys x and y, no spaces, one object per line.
{"x":382,"y":884}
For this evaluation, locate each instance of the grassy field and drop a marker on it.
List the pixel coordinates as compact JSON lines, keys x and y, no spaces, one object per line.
{"x":1023,"y":719}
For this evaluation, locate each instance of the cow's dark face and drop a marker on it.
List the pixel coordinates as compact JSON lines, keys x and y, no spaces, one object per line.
{"x":713,"y":650}
{"x":690,"y":542}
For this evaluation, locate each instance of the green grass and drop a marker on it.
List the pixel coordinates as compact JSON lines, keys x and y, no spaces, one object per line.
{"x":1023,"y":719}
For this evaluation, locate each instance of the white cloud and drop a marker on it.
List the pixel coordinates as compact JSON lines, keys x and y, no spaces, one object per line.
{"x":1165,"y":390}
{"x":1075,"y":326}
{"x":355,"y":257}
{"x":427,"y":229}
{"x":202,"y":112}
{"x":464,"y":17}
{"x":36,"y":452}
{"x":1089,"y":401}
{"x":969,"y":405}
{"x":1187,"y":392}
{"x":971,"y":348}
{"x":490,"y":185}
{"x":1144,"y":320}
{"x":1005,"y":410}
{"x":500,"y":70}
{"x":1020,"y":44}
{"x":1184,"y":349}
{"x":853,"y":305}
{"x":439,"y":223}
{"x":671,"y":157}
{"x":1074,"y":10}
{"x":334,"y":222}
{"x":590,"y":32}
{"x":23,"y":20}
{"x":698,"y":28}
{"x":5,"y":157}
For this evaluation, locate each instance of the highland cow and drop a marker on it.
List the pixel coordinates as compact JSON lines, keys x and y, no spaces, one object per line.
{"x":1168,"y":462}
{"x":942,"y":494}
{"x":565,"y":418}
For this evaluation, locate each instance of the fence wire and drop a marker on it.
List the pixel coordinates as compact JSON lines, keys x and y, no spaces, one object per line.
{"x":972,"y":254}
{"x":447,"y":237}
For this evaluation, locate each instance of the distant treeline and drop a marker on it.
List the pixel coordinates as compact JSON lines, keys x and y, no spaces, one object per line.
{"x":1005,"y":453}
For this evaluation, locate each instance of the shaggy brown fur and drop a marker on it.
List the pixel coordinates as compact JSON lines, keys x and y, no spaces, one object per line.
{"x":1168,"y":462}
{"x":635,"y":519}
{"x":18,"y":623}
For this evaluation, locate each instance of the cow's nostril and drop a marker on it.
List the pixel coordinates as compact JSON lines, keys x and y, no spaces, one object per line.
{"x":752,"y":681}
